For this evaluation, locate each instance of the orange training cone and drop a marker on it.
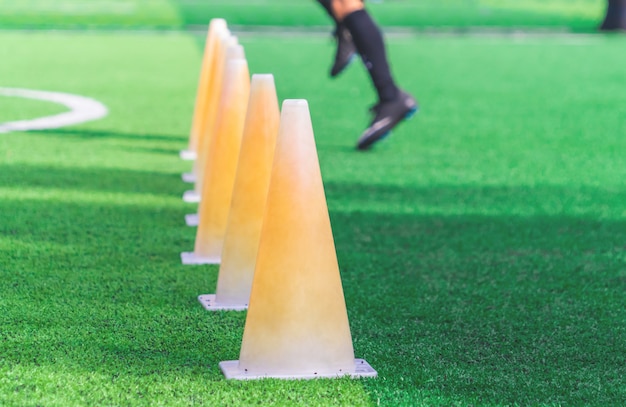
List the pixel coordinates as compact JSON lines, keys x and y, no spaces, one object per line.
{"x":221,"y":165}
{"x":216,"y":26}
{"x":297,"y":323}
{"x":225,"y":47}
{"x":233,"y":51}
{"x":241,"y":242}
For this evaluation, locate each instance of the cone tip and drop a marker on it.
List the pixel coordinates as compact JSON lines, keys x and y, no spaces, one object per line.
{"x":218,"y":25}
{"x":227,"y":38}
{"x":265,"y":78}
{"x":295,"y":103}
{"x":235,"y":51}
{"x":217,"y":21}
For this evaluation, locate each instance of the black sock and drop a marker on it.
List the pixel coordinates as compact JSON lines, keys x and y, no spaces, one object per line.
{"x":369,"y":43}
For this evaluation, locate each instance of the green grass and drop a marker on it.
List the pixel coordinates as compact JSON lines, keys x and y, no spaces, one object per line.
{"x":481,"y":247}
{"x":14,"y":108}
{"x":579,"y":15}
{"x":88,"y":14}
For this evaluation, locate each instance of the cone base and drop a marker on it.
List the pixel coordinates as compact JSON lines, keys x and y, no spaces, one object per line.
{"x":231,"y":370}
{"x":192,"y":259}
{"x":188,"y":155}
{"x":189,"y":177}
{"x":191,"y":196}
{"x":209,"y":303}
{"x":192,"y":219}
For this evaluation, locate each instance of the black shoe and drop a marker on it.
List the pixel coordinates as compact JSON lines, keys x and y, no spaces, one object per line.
{"x":346,"y":51}
{"x":387,"y":115}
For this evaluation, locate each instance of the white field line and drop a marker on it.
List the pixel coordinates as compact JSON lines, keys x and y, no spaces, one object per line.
{"x":82,"y":109}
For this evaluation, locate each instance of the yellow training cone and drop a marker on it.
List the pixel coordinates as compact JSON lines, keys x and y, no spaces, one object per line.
{"x":241,"y":242}
{"x":221,"y":165}
{"x":226,"y":49}
{"x":297,"y":324}
{"x":233,"y":51}
{"x":216,"y":26}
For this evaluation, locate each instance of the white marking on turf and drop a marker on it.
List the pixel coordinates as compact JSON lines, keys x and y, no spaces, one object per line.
{"x":82,"y":109}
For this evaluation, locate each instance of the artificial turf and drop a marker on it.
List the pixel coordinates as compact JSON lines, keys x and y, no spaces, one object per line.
{"x":579,"y":15}
{"x":482,"y":247}
{"x":14,"y":108}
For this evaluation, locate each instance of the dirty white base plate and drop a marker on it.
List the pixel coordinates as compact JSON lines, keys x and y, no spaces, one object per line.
{"x":191,"y":196}
{"x":231,"y":370}
{"x":188,"y":155}
{"x":210,"y":304}
{"x":192,"y":219}
{"x":190,"y":258}
{"x":189,"y":177}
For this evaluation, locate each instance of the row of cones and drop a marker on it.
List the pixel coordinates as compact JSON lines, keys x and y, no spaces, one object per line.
{"x":263,"y":217}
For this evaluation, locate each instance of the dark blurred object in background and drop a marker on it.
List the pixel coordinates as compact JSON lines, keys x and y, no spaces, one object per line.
{"x":615,"y":19}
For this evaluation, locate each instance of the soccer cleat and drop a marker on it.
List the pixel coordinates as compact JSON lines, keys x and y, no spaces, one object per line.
{"x":346,"y":51}
{"x":387,"y":115}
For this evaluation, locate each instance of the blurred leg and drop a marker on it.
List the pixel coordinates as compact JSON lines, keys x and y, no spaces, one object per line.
{"x":346,"y":50}
{"x":394,"y":105}
{"x":369,"y":43}
{"x":327,"y":6}
{"x":341,"y":8}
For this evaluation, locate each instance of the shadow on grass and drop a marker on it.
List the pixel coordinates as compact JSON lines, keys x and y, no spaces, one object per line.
{"x":493,"y":308}
{"x":91,"y":179}
{"x":106,"y":134}
{"x":530,"y":200}
{"x":470,"y":308}
{"x":95,"y":229}
{"x":100,"y":288}
{"x":172,"y":152}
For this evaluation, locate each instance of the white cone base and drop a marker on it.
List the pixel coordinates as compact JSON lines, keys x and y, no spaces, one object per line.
{"x":188,"y":155}
{"x":231,"y":370}
{"x":192,"y":219}
{"x":192,"y":259}
{"x":191,"y":196}
{"x":210,"y":304}
{"x":189,"y":177}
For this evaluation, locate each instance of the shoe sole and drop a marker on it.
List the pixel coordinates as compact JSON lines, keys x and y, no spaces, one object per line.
{"x":366,"y":144}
